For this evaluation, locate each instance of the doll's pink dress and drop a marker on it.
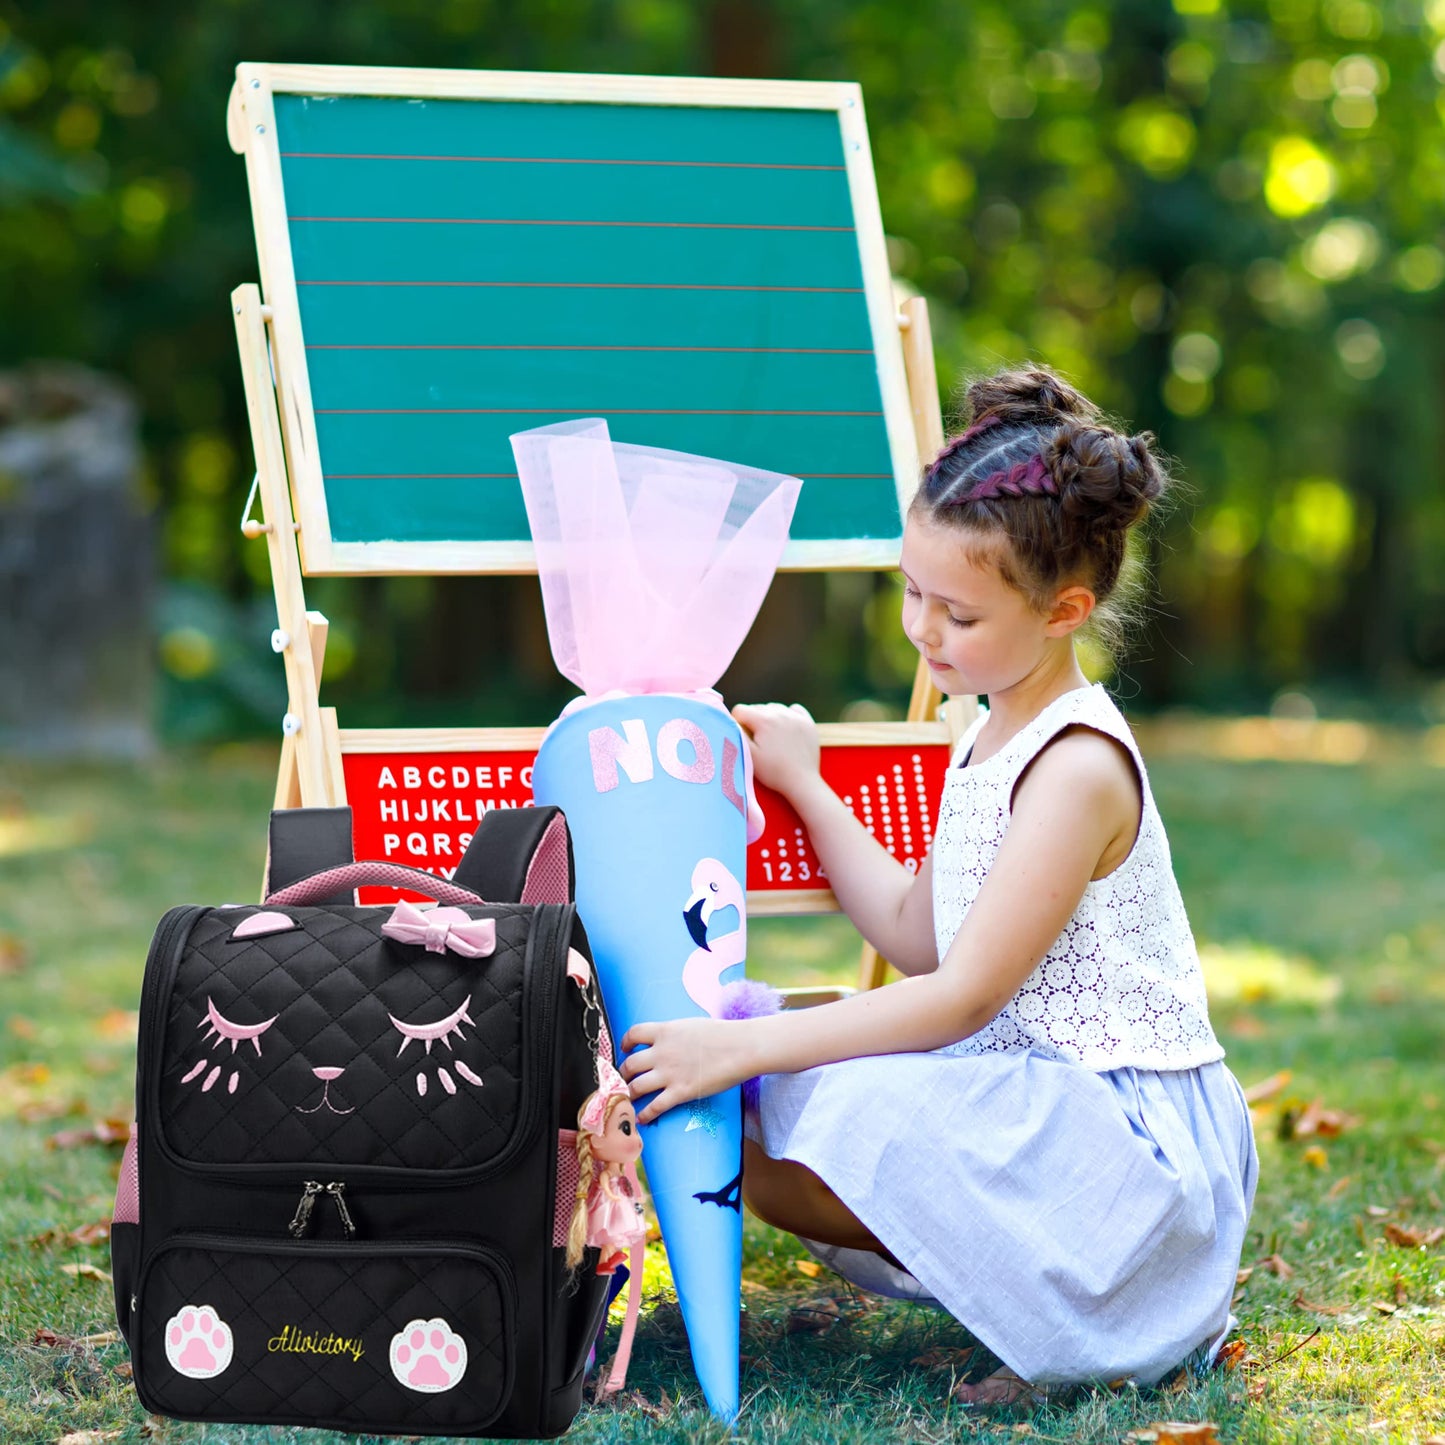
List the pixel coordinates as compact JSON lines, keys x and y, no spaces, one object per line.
{"x":614,"y":1215}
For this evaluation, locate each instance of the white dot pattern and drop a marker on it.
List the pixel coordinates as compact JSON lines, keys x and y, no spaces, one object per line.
{"x":1122,"y":984}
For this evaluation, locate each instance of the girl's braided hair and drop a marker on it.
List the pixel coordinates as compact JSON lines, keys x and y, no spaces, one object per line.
{"x":1041,"y":468}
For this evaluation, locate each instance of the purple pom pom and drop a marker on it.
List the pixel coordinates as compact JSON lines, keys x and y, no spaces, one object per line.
{"x":750,"y":998}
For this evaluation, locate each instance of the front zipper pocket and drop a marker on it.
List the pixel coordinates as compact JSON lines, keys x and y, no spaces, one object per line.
{"x":407,"y":1338}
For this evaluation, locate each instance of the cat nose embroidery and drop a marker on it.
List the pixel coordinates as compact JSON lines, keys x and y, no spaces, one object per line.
{"x":328,"y":1075}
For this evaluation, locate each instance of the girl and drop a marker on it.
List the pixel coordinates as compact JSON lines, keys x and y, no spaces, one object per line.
{"x":1033,"y":1127}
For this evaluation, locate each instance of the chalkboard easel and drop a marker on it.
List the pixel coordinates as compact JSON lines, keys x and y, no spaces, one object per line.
{"x":451,"y":256}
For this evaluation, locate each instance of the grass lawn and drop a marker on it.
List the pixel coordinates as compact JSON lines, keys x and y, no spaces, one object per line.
{"x":1318,"y":896}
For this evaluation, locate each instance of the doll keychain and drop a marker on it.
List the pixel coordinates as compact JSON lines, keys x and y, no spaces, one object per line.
{"x":608,"y":1213}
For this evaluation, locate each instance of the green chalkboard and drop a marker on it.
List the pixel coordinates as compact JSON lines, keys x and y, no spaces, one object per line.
{"x":461,"y":267}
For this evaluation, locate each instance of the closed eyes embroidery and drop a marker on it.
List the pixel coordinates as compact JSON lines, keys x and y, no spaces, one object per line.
{"x":218,"y":1028}
{"x":428,"y":1034}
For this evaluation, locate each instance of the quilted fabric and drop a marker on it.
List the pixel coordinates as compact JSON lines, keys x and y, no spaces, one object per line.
{"x":294,"y":1046}
{"x":270,"y":1302}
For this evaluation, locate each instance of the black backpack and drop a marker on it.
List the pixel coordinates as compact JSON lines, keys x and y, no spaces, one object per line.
{"x":345,"y":1200}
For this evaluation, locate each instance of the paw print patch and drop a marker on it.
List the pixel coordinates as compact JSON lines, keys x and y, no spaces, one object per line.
{"x":428,"y":1356}
{"x":198,"y":1342}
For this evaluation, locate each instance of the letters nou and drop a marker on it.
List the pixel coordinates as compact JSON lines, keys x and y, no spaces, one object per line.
{"x":683,"y":751}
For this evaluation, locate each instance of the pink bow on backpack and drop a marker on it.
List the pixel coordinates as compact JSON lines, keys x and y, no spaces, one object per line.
{"x":438,"y":929}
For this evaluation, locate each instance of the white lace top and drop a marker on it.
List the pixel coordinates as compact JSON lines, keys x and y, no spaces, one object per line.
{"x":1122,"y":985}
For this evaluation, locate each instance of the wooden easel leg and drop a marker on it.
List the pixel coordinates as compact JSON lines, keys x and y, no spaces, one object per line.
{"x":288,"y":777}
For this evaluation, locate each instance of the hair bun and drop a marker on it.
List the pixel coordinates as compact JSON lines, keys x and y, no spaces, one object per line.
{"x":1031,"y":396}
{"x":1106,"y":480}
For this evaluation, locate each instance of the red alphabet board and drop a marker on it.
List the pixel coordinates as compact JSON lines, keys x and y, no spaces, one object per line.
{"x":420,"y":808}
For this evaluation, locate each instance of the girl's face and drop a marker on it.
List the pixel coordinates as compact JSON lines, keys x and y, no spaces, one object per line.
{"x":619,"y":1142}
{"x":977,"y":633}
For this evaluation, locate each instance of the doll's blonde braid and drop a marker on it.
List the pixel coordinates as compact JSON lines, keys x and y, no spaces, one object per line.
{"x":577,"y":1232}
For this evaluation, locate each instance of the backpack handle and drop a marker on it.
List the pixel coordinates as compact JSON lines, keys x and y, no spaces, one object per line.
{"x":321,"y":886}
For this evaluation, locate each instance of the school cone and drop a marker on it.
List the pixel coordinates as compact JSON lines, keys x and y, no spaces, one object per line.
{"x":653,"y":789}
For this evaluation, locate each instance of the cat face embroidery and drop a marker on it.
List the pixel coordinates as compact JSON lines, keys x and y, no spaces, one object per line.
{"x":460,"y":934}
{"x":219,"y":1028}
{"x":428,"y":1034}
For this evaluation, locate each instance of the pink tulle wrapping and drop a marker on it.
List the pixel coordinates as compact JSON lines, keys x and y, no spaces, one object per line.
{"x":653,"y":563}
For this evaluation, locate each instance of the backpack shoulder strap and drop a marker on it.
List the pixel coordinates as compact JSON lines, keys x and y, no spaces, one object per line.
{"x":519,"y":855}
{"x":303,"y":841}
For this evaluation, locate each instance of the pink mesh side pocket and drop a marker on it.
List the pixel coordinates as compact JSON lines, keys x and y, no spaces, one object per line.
{"x":567,"y":1175}
{"x":127,"y":1188}
{"x":548,"y":878}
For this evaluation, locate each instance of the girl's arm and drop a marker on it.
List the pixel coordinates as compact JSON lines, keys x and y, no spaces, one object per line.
{"x":1079,"y":796}
{"x":891,"y":907}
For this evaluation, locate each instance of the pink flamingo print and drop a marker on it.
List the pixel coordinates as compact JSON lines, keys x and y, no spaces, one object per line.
{"x":713,"y":887}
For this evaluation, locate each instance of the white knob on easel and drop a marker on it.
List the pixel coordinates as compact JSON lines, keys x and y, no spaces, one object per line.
{"x":280,"y":640}
{"x":290,"y":725}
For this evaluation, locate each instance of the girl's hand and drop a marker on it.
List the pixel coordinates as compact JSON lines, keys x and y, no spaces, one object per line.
{"x":685,"y":1059}
{"x":783,"y":740}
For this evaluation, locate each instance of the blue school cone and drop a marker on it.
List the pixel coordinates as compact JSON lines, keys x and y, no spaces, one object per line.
{"x":652,"y":786}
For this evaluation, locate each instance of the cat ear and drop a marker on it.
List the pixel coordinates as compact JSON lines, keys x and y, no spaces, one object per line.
{"x":257,"y":924}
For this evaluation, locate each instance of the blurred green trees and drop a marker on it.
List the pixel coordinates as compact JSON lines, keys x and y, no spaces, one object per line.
{"x":1225,"y":221}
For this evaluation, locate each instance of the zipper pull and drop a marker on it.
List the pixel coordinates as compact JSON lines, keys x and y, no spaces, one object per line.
{"x":336,"y":1191}
{"x":302,"y":1217}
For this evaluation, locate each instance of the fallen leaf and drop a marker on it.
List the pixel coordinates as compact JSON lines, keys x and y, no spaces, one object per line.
{"x":1268,"y":1088}
{"x":1315,"y":1119}
{"x":1241,"y":1275}
{"x":1400,"y":1296}
{"x":1339,"y":1186}
{"x":86,"y":1271}
{"x":940,"y":1357}
{"x":13,"y":957}
{"x":1022,"y":1428}
{"x":1255,"y":1390}
{"x":125,"y":1370}
{"x":1384,"y":1309}
{"x":809,"y":1267}
{"x":1231,"y":1356}
{"x":1246,"y":1026}
{"x":89,"y":1437}
{"x":49,"y":1338}
{"x":1317,"y":1309}
{"x":1378,"y":1211}
{"x":815,"y":1317}
{"x":1316,"y":1157}
{"x":42,"y":1111}
{"x":1181,"y":1432}
{"x":117,"y":1023}
{"x":1408,"y":1238}
{"x":633,"y":1400}
{"x":102,"y":1131}
{"x":97,"y":1233}
{"x":1275,"y":1265}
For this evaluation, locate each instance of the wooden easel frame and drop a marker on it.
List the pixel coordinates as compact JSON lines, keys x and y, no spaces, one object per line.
{"x":288,"y":479}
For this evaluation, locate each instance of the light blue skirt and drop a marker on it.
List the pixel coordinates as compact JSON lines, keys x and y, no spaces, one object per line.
{"x":1084,"y":1226}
